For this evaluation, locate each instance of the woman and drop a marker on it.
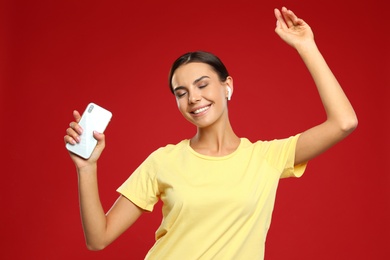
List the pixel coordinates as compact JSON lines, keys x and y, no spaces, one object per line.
{"x":218,"y":190}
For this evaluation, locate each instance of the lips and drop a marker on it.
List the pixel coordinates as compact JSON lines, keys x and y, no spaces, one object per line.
{"x":200,"y":110}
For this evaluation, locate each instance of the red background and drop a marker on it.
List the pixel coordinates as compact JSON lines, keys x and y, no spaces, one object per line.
{"x":57,"y":56}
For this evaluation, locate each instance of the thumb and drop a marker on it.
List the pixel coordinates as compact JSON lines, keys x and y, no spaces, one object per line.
{"x":278,"y":29}
{"x":98,"y":136}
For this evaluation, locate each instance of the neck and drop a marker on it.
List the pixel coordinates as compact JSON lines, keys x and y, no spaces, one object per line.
{"x":215,"y":140}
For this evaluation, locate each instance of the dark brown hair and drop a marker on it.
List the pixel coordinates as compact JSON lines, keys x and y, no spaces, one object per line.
{"x":199,"y":56}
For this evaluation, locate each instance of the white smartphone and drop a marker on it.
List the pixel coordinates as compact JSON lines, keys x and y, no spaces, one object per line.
{"x":94,"y":118}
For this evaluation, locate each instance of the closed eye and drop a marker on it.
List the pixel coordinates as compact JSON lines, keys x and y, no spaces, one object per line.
{"x":180,"y":92}
{"x":179,"y":95}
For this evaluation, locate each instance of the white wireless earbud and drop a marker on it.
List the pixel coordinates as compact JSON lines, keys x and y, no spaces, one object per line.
{"x":229,"y":90}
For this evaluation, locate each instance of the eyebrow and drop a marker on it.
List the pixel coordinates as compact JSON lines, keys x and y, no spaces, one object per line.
{"x":199,"y":79}
{"x":195,"y":81}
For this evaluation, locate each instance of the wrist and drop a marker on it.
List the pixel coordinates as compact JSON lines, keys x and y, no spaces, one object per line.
{"x":306,"y":47}
{"x":88,"y":168}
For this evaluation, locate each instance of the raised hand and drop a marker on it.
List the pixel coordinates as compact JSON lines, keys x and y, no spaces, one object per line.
{"x":341,"y":118}
{"x":293,"y":30}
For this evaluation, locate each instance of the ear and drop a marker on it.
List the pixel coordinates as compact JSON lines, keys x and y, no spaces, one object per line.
{"x":229,"y":93}
{"x":229,"y":87}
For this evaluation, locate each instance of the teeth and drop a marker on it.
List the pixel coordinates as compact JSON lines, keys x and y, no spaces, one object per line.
{"x":200,"y":110}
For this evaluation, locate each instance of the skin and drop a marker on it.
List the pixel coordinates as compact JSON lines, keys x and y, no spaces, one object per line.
{"x":196,"y":86}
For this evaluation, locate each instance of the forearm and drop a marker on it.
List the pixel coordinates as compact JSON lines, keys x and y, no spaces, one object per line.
{"x":338,"y":109}
{"x":92,"y":214}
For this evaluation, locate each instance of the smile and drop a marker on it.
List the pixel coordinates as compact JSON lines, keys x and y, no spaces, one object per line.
{"x":200,"y":110}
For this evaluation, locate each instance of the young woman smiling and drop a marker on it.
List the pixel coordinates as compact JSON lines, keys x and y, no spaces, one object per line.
{"x":218,"y":189}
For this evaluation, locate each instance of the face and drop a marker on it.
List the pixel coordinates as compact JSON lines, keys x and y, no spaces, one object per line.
{"x":201,"y":96}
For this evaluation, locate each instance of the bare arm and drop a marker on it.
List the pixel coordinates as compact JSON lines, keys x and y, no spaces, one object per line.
{"x":100,"y":229}
{"x":341,"y":118}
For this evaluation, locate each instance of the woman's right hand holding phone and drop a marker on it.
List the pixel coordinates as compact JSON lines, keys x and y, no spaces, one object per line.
{"x":73,"y":133}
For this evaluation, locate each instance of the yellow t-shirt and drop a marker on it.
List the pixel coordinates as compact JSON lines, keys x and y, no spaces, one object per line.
{"x":213,"y":207}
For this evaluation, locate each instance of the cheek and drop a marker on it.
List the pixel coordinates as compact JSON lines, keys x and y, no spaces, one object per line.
{"x":220,"y":95}
{"x":180,"y":105}
{"x":219,"y":92}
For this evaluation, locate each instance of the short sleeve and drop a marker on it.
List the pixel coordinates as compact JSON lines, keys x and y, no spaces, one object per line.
{"x":141,"y":187}
{"x":281,"y":154}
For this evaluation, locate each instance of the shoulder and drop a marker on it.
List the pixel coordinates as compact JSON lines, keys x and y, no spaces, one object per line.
{"x":162,"y":156}
{"x":270,"y":146}
{"x":170,"y":149}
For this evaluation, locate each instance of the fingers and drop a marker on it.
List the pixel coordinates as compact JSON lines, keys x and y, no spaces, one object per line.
{"x":74,"y":125}
{"x":69,"y":140}
{"x":74,"y":130}
{"x":286,"y":18}
{"x":72,"y":136}
{"x":76,"y":115}
{"x":280,"y":24}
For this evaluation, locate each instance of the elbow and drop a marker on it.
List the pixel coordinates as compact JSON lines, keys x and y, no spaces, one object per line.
{"x":349,"y":125}
{"x":95,"y":247}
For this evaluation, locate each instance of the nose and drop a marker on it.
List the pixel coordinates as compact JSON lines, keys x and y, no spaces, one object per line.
{"x":194,"y":97}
